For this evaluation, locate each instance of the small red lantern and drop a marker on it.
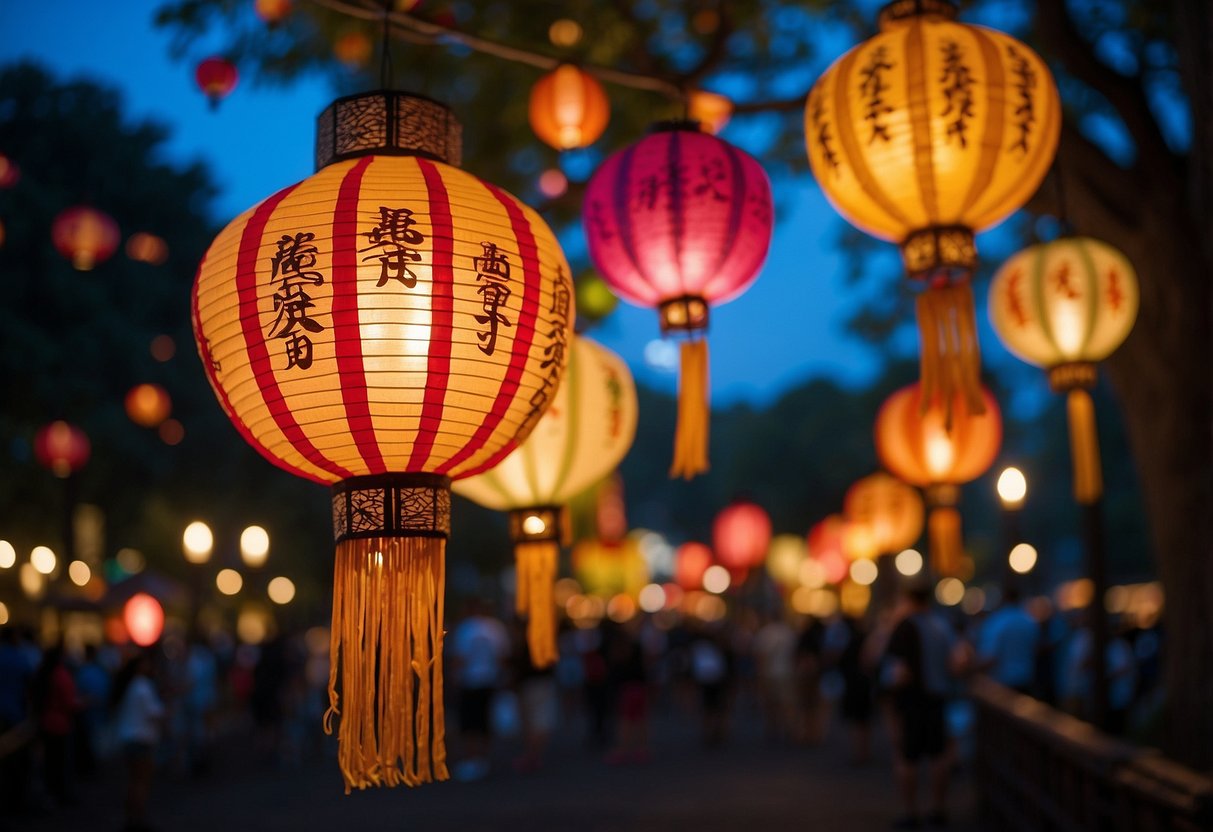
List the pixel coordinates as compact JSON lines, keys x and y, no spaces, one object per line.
{"x":827,"y":546}
{"x":741,"y":535}
{"x":144,"y":619}
{"x":10,"y":174}
{"x":85,"y":236}
{"x":690,"y":562}
{"x":217,"y":78}
{"x":148,"y":405}
{"x":61,"y":448}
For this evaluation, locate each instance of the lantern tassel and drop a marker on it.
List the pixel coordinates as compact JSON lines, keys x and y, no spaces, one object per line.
{"x":386,"y":644}
{"x":1084,"y":447}
{"x":691,"y":433}
{"x":950,"y":357}
{"x":943,"y":531}
{"x":535,"y":599}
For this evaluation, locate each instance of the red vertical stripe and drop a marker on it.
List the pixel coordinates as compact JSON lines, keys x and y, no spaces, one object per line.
{"x":347,"y":336}
{"x":523,"y":338}
{"x":442,"y":302}
{"x":254,"y":339}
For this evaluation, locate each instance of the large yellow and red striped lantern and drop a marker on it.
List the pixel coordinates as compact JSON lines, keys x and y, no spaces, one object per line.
{"x":1065,"y":306}
{"x":741,"y":534}
{"x":916,"y":443}
{"x":924,"y":134}
{"x":385,"y":326}
{"x":680,"y":220}
{"x":890,"y":510}
{"x":582,"y":437}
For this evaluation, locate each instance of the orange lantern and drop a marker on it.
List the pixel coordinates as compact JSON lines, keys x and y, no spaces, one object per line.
{"x":690,"y":562}
{"x":147,"y":248}
{"x":62,"y":448}
{"x":711,"y":109}
{"x":924,"y":134}
{"x":741,"y":534}
{"x":916,"y":443}
{"x":568,"y":108}
{"x":1066,"y":305}
{"x":889,"y":509}
{"x":148,"y":405}
{"x":273,"y":11}
{"x":216,"y":77}
{"x":144,"y":619}
{"x":385,"y":326}
{"x":826,"y":546}
{"x":85,"y":236}
{"x":353,"y":49}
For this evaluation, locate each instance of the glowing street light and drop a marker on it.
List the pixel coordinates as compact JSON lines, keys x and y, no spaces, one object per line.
{"x":1012,"y":488}
{"x":197,"y":542}
{"x":254,"y":546}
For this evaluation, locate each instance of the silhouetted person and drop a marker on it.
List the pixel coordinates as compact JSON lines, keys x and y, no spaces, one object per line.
{"x":56,"y":703}
{"x":16,"y":673}
{"x":1008,"y":643}
{"x":93,"y":686}
{"x":713,"y":671}
{"x":843,"y":648}
{"x":138,"y":715}
{"x":628,"y":678}
{"x":479,"y":646}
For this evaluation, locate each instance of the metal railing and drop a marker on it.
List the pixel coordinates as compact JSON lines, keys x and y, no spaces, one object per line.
{"x":1040,"y":769}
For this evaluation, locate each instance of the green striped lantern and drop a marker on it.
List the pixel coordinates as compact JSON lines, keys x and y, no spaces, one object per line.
{"x":581,"y":438}
{"x":1064,"y":306}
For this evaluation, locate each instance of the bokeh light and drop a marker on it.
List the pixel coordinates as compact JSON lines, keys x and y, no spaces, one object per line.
{"x":949,"y":592}
{"x":652,"y":598}
{"x":1012,"y":487}
{"x":281,"y":590}
{"x":716,"y":579}
{"x":131,"y":560}
{"x":565,"y":32}
{"x":197,"y":542}
{"x":553,"y":183}
{"x":144,"y":619}
{"x":908,"y":562}
{"x":43,"y":559}
{"x":1022,"y":558}
{"x":863,"y":572}
{"x":254,"y":546}
{"x":229,"y":581}
{"x":8,"y":555}
{"x":79,"y":572}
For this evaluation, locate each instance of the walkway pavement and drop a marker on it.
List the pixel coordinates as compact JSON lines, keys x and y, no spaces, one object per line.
{"x":751,"y":783}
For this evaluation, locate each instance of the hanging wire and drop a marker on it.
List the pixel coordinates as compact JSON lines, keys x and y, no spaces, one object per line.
{"x":385,"y":59}
{"x":1064,"y":228}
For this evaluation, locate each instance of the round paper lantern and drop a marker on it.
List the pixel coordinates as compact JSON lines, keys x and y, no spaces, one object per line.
{"x":594,"y":298}
{"x":568,"y":108}
{"x":889,"y":509}
{"x":924,"y":134}
{"x":784,"y":559}
{"x":741,"y":534}
{"x":386,"y":325}
{"x":826,"y":546}
{"x":147,"y":248}
{"x":148,"y":405}
{"x":680,"y":220}
{"x":353,"y":49}
{"x":144,"y":619}
{"x":216,"y":77}
{"x":1064,"y":306}
{"x":273,"y":11}
{"x":918,"y":444}
{"x":584,"y":434}
{"x":85,"y":236}
{"x":609,"y":569}
{"x":711,"y":109}
{"x":61,"y":448}
{"x":691,"y":560}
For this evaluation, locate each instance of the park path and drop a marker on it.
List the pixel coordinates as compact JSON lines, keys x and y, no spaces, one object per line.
{"x":749,"y":784}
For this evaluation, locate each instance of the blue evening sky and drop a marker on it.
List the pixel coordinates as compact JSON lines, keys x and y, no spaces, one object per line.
{"x":787,"y":328}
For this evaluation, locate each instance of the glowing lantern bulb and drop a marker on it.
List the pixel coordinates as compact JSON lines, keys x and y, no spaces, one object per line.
{"x":144,"y":619}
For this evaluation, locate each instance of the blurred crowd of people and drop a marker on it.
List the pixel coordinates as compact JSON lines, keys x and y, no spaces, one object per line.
{"x":64,"y":714}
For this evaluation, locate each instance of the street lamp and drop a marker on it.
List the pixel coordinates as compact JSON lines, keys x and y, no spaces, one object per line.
{"x":254,"y":546}
{"x":197,"y":542}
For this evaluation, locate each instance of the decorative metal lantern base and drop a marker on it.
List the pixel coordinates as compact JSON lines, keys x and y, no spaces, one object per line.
{"x":387,"y":123}
{"x":932,"y":253}
{"x":688,"y":313}
{"x":1079,"y":375}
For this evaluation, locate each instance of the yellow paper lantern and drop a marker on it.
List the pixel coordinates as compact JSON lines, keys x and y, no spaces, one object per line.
{"x":924,"y":134}
{"x":890,"y":510}
{"x":609,"y":569}
{"x":1064,"y":306}
{"x":148,"y":405}
{"x":582,"y":437}
{"x":569,"y":108}
{"x":386,"y":325}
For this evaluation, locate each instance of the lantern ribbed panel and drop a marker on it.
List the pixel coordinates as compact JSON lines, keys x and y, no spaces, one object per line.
{"x":921,"y":449}
{"x":582,"y":437}
{"x":741,"y":534}
{"x":568,"y":108}
{"x":932,"y":123}
{"x":890,"y":510}
{"x":398,"y":380}
{"x":1071,"y":300}
{"x":678,"y":213}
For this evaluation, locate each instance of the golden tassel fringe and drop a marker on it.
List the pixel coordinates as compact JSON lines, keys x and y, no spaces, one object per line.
{"x":691,"y":433}
{"x":386,"y":644}
{"x":1084,"y":447}
{"x":536,"y":567}
{"x":950,"y":361}
{"x":943,"y":532}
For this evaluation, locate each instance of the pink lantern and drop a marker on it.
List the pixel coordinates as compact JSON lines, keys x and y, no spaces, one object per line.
{"x":144,"y":619}
{"x":690,"y":562}
{"x":680,"y":220}
{"x":741,"y":534}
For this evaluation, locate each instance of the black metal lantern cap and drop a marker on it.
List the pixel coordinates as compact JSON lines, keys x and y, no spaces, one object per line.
{"x":392,"y":505}
{"x":904,"y":9}
{"x":673,"y":125}
{"x":388,"y":123}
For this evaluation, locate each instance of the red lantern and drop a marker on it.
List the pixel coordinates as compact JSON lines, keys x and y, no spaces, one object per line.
{"x":61,"y":448}
{"x":144,"y":619}
{"x":680,"y":220}
{"x":827,"y":546}
{"x":690,"y":562}
{"x":148,"y":405}
{"x":217,"y":78}
{"x":741,"y":535}
{"x":85,"y":236}
{"x":938,"y":447}
{"x":10,"y":174}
